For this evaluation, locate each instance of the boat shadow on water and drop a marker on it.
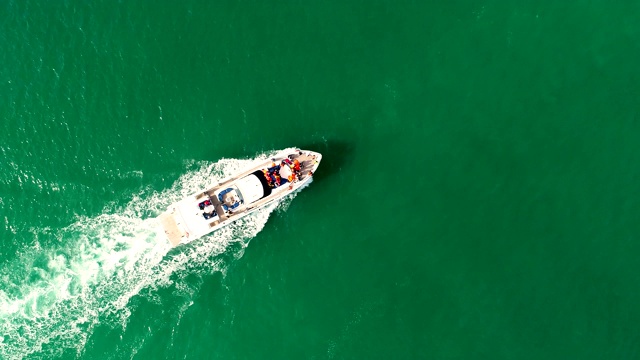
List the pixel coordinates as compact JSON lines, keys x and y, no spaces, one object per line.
{"x":337,"y":156}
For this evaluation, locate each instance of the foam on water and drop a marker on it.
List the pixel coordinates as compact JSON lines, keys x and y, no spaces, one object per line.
{"x":57,"y":295}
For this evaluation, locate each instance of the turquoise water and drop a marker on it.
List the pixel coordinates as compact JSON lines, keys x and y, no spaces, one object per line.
{"x":476,"y":199}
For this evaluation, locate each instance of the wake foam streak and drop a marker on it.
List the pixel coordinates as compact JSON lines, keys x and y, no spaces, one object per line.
{"x":58,"y":295}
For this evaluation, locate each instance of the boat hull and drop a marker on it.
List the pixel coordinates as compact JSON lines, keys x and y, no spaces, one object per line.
{"x":233,"y":198}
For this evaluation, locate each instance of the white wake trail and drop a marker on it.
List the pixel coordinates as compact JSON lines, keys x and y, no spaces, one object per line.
{"x":58,"y":295}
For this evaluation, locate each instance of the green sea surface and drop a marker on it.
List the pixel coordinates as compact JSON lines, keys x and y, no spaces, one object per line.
{"x":477,"y":198}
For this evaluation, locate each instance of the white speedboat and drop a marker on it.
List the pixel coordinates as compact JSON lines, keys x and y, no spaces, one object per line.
{"x":238,"y":196}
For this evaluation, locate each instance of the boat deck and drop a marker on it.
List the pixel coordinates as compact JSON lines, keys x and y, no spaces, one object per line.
{"x":174,"y":234}
{"x":180,"y":222}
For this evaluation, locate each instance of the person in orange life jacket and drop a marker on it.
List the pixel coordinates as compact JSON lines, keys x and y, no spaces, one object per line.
{"x":268,"y":177}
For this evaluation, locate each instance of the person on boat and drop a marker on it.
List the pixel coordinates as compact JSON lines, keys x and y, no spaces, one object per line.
{"x":296,"y":166}
{"x":204,"y":204}
{"x":209,"y":215}
{"x":268,"y":177}
{"x":273,"y":169}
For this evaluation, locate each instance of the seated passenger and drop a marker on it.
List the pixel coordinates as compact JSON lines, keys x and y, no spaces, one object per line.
{"x":209,"y":215}
{"x":274,"y":169}
{"x":204,"y":204}
{"x":266,"y":176}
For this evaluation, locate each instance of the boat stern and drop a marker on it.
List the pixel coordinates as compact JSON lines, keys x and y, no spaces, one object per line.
{"x":171,"y":229}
